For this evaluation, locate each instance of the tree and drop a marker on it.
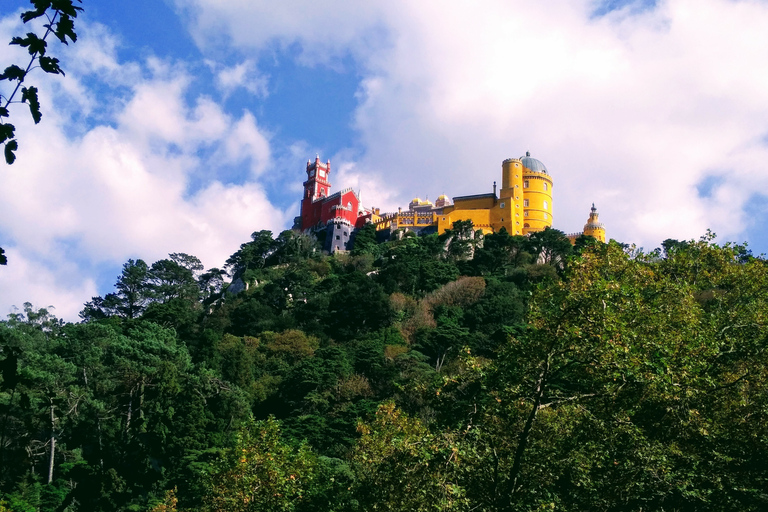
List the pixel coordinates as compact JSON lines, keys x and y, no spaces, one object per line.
{"x":365,"y":241}
{"x":262,"y":473}
{"x":292,"y":246}
{"x":631,"y":386}
{"x":500,"y":253}
{"x":461,"y":240}
{"x":252,"y":255}
{"x":133,"y":293}
{"x":402,"y":466}
{"x":550,"y":246}
{"x":211,"y":282}
{"x":60,"y":15}
{"x":175,"y":278}
{"x":415,"y":265}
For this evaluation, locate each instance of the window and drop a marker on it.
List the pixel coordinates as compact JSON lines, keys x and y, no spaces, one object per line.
{"x":338,"y":237}
{"x":526,"y":214}
{"x":346,"y":234}
{"x":525,"y":184}
{"x":546,"y":205}
{"x":546,"y":186}
{"x":517,"y":215}
{"x":501,"y":205}
{"x":525,"y":202}
{"x":546,"y":216}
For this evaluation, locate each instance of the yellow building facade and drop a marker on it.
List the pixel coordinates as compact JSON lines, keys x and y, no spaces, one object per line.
{"x":523,"y":205}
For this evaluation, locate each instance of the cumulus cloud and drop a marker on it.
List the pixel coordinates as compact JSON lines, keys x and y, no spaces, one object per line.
{"x":244,"y":75}
{"x":631,"y":109}
{"x":86,"y":195}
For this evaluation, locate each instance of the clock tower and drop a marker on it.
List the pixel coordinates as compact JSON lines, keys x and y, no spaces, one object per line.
{"x":316,"y":188}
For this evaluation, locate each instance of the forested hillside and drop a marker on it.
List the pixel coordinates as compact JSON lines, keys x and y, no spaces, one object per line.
{"x":425,"y":373}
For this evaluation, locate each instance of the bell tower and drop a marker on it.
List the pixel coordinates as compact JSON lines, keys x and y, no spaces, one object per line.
{"x":316,"y":187}
{"x":317,"y":184}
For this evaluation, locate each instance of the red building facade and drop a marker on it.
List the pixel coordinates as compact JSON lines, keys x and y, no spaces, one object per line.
{"x":338,"y":214}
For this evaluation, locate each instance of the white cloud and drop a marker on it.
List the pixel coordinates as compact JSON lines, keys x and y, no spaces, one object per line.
{"x":83,"y":196}
{"x":43,"y":285}
{"x":630,"y":110}
{"x":244,"y":75}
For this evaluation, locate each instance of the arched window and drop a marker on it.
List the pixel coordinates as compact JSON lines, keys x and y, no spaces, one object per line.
{"x":525,"y":184}
{"x":546,"y":186}
{"x":546,"y":205}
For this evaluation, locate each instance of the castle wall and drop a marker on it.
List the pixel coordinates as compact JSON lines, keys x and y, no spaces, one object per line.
{"x":481,"y":219}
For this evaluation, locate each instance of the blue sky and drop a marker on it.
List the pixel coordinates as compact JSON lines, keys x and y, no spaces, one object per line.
{"x":184,"y":125}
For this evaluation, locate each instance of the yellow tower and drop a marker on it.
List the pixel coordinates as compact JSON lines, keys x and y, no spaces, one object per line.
{"x":594,"y":227}
{"x":508,"y":212}
{"x":537,"y":195}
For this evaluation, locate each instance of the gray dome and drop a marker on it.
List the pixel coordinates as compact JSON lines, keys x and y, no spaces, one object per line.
{"x":532,"y":164}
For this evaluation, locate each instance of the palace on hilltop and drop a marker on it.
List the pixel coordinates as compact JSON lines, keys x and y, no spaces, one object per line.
{"x":522,"y":205}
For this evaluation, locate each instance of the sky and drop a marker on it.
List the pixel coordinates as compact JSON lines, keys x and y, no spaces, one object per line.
{"x":186,"y":125}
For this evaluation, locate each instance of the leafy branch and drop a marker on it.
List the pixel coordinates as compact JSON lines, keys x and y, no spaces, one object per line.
{"x":60,"y":15}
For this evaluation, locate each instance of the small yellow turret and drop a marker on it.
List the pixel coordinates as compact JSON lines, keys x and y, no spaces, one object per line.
{"x":594,"y":227}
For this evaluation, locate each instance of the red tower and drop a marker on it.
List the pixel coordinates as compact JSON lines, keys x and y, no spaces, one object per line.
{"x":316,"y":187}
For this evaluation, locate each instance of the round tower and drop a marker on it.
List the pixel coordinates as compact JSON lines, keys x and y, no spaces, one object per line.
{"x":537,"y":195}
{"x":509,"y":212}
{"x":594,"y":227}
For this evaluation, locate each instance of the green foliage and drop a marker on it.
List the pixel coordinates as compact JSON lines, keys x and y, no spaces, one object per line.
{"x":60,"y":15}
{"x":365,"y":241}
{"x":401,"y":466}
{"x":263,"y":473}
{"x":415,"y":266}
{"x":604,"y":379}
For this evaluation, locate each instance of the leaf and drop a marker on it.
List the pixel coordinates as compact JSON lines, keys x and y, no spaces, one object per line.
{"x":29,"y":94}
{"x":13,"y":72}
{"x":4,"y":112}
{"x":40,"y":7}
{"x":6,"y":131}
{"x":3,"y":259}
{"x":10,"y":147}
{"x":66,"y":7}
{"x":65,"y":28}
{"x":34,"y":44}
{"x":50,"y":65}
